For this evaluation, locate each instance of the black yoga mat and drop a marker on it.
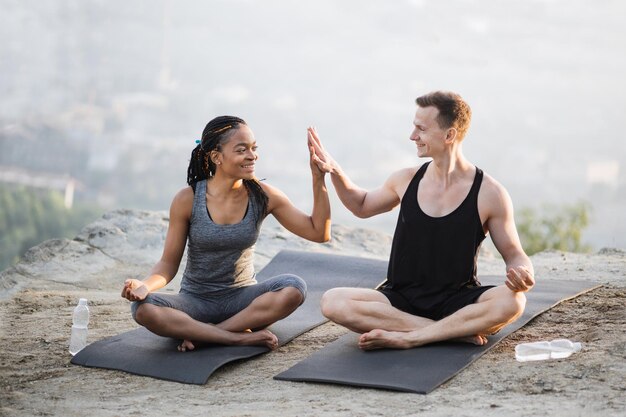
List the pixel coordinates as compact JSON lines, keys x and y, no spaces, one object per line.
{"x":422,"y":369}
{"x":144,"y":353}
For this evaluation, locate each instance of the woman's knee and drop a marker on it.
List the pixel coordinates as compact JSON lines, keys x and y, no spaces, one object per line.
{"x":296,"y":286}
{"x":145,"y":313}
{"x":292,"y":297}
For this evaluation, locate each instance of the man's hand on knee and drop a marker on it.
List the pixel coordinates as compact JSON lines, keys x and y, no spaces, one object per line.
{"x":519,"y":279}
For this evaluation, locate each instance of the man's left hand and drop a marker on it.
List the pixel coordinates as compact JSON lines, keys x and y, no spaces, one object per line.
{"x":519,"y":279}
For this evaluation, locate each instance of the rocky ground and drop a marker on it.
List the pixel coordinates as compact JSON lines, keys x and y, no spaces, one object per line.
{"x":37,"y":297}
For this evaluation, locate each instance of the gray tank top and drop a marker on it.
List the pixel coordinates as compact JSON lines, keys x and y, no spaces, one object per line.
{"x":219,"y":256}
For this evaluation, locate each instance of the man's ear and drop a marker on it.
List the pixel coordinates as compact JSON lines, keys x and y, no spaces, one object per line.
{"x":451,"y":135}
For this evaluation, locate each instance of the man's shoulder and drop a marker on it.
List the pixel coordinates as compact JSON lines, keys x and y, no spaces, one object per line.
{"x":491,"y":185}
{"x":399,"y":180}
{"x":493,"y":196}
{"x":404,"y":174}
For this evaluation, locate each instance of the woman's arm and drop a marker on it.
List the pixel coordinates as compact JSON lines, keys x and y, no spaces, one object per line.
{"x":315,"y":227}
{"x":165,"y":269}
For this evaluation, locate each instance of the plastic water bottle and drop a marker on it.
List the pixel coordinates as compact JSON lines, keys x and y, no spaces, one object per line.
{"x":80,"y":321}
{"x":538,"y":351}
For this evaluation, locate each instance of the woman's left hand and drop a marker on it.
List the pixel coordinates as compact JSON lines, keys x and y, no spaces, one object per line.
{"x":134,"y":290}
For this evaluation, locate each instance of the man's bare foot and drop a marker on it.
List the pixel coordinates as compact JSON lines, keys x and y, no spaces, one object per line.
{"x":379,"y":339}
{"x":478,"y":340}
{"x":259,"y":338}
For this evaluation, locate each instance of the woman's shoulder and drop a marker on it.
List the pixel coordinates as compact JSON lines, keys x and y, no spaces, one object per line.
{"x":269,"y":189}
{"x":275,"y":196}
{"x":184,"y":194}
{"x":182,"y":202}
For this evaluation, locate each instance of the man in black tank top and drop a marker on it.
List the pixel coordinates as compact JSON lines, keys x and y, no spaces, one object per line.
{"x":447,"y":207}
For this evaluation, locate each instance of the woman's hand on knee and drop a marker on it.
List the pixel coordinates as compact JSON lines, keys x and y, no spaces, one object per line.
{"x":134,"y":290}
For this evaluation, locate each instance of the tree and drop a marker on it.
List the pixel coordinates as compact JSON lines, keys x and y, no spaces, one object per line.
{"x":28,"y":216}
{"x":554,"y":227}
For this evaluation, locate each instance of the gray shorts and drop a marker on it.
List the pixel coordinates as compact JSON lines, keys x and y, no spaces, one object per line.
{"x":215,"y":308}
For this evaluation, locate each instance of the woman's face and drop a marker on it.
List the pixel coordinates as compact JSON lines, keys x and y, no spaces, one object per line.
{"x":238,"y":154}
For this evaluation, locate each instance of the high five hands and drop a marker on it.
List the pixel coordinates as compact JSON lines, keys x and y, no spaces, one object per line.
{"x":319,"y":156}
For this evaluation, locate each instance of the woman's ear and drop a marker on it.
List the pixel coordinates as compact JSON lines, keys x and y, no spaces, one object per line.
{"x":216,"y":157}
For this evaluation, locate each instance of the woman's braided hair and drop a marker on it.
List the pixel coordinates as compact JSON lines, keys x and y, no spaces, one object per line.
{"x":201,"y":167}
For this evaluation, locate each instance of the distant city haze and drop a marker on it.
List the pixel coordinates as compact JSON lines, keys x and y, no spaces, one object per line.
{"x":115,"y":93}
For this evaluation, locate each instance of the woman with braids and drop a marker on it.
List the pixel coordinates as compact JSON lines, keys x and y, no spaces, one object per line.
{"x":219,"y":216}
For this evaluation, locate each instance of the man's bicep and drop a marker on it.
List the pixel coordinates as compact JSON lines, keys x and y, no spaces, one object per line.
{"x":501,"y":225}
{"x":380,"y":200}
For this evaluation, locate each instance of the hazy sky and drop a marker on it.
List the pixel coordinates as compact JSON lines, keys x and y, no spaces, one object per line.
{"x":545,"y":80}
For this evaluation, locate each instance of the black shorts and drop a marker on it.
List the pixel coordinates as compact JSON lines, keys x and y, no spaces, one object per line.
{"x":437,"y":306}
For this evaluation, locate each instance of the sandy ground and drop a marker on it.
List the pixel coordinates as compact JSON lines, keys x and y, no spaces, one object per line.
{"x":36,"y":377}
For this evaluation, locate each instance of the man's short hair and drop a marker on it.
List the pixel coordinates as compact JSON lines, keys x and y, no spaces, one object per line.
{"x":453,"y":110}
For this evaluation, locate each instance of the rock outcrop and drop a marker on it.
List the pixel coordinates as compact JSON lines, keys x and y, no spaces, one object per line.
{"x":126,"y":243}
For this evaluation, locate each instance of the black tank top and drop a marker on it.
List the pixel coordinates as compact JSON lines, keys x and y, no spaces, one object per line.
{"x":434,"y":256}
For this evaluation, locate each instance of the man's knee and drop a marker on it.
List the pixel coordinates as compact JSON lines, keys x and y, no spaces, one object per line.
{"x":510,"y":306}
{"x":332,"y":303}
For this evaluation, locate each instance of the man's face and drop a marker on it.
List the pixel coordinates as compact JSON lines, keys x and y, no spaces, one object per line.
{"x":428,"y":136}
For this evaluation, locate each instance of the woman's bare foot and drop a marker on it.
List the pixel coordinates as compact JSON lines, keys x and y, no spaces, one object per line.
{"x":247,"y":338}
{"x":378,"y":339}
{"x":186,"y":345}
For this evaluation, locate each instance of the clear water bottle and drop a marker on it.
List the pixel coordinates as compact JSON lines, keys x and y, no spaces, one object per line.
{"x":538,"y":351}
{"x":80,"y":321}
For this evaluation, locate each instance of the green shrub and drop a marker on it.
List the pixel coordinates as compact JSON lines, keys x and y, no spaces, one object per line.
{"x":28,"y":216}
{"x":554,"y":227}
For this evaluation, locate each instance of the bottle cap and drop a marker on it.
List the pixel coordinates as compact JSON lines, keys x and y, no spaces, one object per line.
{"x":82,"y":302}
